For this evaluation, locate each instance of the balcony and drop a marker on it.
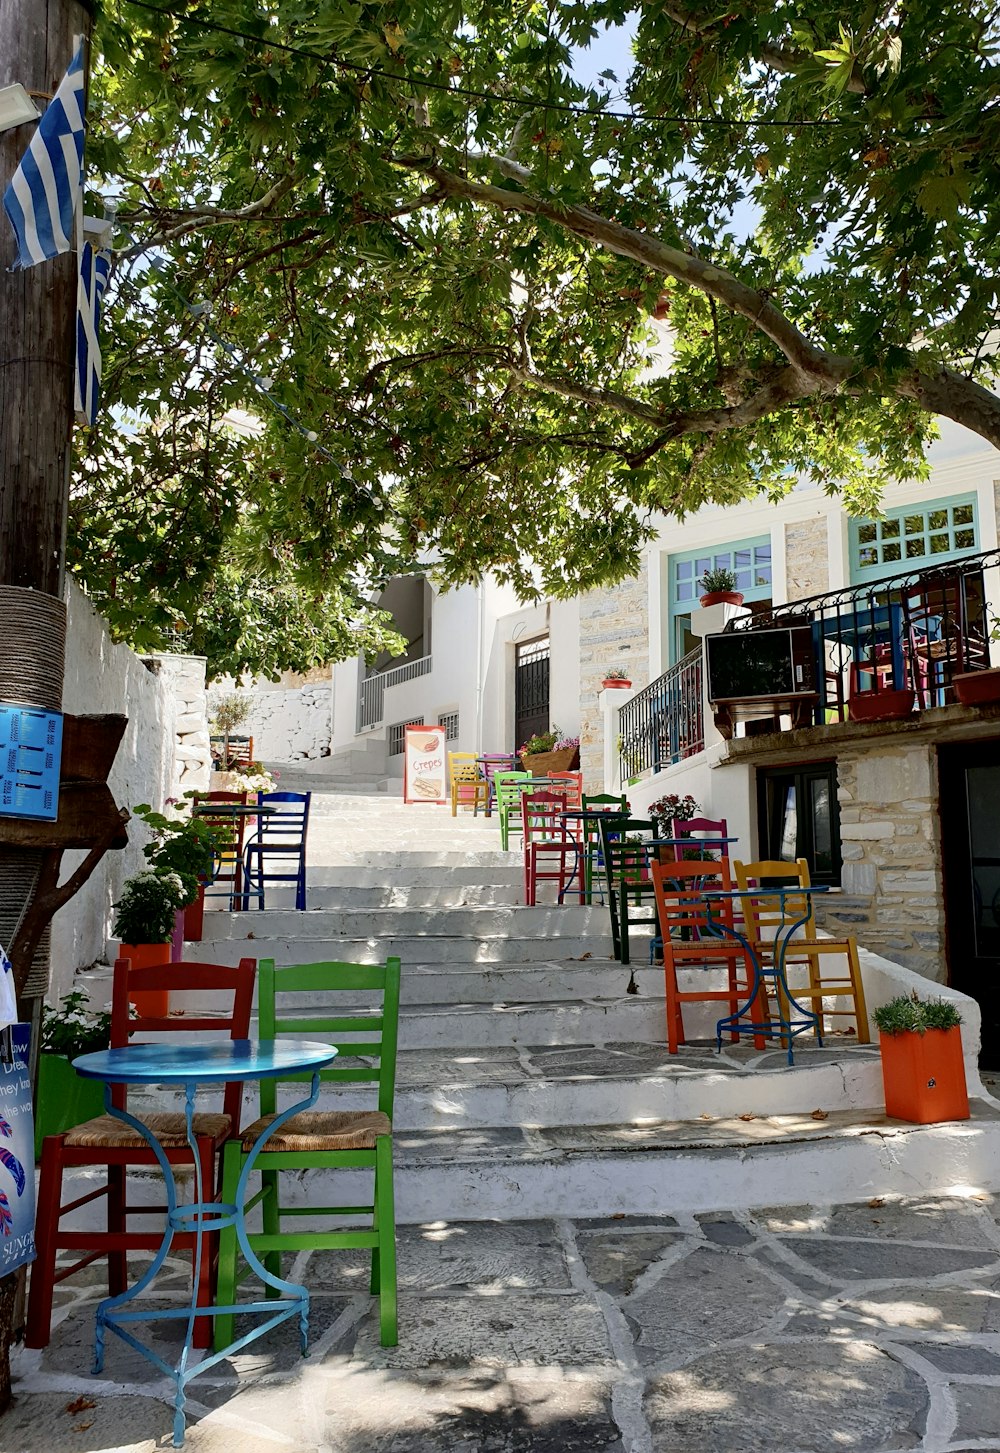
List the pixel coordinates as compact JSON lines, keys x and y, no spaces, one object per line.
{"x":371,"y":695}
{"x":665,"y":722}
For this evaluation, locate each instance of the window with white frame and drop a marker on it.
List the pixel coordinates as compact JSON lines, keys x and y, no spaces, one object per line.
{"x":911,"y":537}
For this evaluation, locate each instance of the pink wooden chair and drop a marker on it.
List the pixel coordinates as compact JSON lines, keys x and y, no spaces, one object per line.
{"x":700,"y":827}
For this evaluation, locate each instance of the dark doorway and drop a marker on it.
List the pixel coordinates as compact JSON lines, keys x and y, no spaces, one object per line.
{"x":799,"y":817}
{"x":531,"y":690}
{"x":970,"y":851}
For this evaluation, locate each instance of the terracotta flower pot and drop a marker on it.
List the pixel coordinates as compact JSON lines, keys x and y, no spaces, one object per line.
{"x":881,"y":705}
{"x":721,"y":597}
{"x":611,"y":682}
{"x":924,"y":1076}
{"x":152,"y":1002}
{"x":978,"y":688}
{"x":194,"y":917}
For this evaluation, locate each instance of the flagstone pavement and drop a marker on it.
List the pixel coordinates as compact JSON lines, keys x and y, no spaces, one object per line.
{"x":871,"y":1328}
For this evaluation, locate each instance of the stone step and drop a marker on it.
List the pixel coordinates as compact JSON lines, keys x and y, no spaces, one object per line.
{"x":508,"y":874}
{"x":408,"y":895}
{"x":467,"y":950}
{"x":399,"y":862}
{"x":546,"y":923}
{"x":655,"y":1167}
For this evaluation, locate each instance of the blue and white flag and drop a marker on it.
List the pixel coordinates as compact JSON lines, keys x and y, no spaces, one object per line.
{"x":45,"y":189}
{"x":95,"y":268}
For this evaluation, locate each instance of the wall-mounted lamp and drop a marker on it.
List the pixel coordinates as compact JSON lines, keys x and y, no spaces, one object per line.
{"x":16,"y":107}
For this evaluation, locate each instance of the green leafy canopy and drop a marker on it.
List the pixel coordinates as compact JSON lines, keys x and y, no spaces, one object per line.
{"x":442,"y":248}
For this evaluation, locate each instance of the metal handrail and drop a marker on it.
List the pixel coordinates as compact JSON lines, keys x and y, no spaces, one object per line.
{"x":664,"y":722}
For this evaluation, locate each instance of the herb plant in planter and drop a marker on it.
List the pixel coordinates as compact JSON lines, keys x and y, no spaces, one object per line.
{"x":550,"y":751}
{"x":719,"y":588}
{"x":144,"y":924}
{"x":616,"y":680}
{"x":64,"y":1098}
{"x":923,"y":1071}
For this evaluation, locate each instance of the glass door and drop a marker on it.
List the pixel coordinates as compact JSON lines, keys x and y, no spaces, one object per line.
{"x":970,"y":850}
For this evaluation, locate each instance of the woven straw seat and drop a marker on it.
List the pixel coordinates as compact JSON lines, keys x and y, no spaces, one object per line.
{"x":107,"y":1133}
{"x":323,"y":1130}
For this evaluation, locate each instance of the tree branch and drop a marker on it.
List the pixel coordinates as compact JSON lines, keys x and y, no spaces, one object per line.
{"x":775,"y":57}
{"x":213,"y":216}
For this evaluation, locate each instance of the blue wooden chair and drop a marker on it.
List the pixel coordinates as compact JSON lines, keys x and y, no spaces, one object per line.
{"x":277,"y":851}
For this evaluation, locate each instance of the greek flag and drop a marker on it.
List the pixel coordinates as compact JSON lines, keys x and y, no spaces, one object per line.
{"x":45,"y":189}
{"x":95,"y":266}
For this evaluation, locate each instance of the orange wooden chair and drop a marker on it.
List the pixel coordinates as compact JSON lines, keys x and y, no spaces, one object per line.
{"x":840,"y":980}
{"x":107,"y":1142}
{"x":682,"y":910}
{"x":546,"y":840}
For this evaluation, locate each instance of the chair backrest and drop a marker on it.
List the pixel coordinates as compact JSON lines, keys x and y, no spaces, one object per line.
{"x":186,"y":978}
{"x":605,"y":802}
{"x":574,"y":781}
{"x":509,"y":786}
{"x":368,"y":1038}
{"x":463,"y":766}
{"x":230,"y":841}
{"x":290,"y":822}
{"x":680,"y":895}
{"x":494,"y":762}
{"x":540,"y":813}
{"x":765,"y":916}
{"x":695,"y":827}
{"x":625,"y":862}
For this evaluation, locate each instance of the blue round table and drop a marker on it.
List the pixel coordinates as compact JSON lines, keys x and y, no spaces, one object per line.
{"x":192,"y":1065}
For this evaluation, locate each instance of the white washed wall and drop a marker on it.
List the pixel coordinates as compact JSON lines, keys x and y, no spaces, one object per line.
{"x":104,"y":677}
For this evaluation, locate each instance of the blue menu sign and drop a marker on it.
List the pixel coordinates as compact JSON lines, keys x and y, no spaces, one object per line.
{"x":17,"y":1158}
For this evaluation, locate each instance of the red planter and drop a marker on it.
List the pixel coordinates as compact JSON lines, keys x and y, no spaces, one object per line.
{"x":194,"y":917}
{"x":152,"y":1002}
{"x":721,"y":597}
{"x":978,"y":688}
{"x":924,"y":1076}
{"x":611,"y":682}
{"x":881,"y":705}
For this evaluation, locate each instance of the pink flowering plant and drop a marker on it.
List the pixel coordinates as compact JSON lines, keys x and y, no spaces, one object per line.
{"x":673,"y":808}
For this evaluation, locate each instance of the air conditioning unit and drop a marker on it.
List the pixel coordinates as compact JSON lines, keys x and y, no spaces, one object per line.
{"x":743,"y":665}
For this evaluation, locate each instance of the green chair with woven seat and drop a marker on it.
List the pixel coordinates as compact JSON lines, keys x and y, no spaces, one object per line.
{"x":509,"y":786}
{"x":326,"y":1139}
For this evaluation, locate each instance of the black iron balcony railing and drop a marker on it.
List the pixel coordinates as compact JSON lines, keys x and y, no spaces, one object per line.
{"x":912,"y":631}
{"x":665,"y":722}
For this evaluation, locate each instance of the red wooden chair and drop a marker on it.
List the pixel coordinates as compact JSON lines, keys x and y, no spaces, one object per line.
{"x":546,"y":840}
{"x":105,"y":1141}
{"x":681,"y":909}
{"x":574,"y":785}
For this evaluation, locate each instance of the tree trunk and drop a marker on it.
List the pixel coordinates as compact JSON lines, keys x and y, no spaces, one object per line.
{"x":37,"y":345}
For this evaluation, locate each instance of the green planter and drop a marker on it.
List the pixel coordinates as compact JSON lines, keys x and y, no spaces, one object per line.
{"x":64,"y":1098}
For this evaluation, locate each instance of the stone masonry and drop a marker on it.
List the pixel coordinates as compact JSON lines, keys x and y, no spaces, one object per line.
{"x":614,"y":633}
{"x":192,"y":753}
{"x":890,"y":841}
{"x":807,"y":558}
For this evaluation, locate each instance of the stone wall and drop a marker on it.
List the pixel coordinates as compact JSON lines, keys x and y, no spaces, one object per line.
{"x":291,"y":724}
{"x":614,"y":633}
{"x":104,"y":677}
{"x":807,"y":558}
{"x":184,"y":678}
{"x":892,"y":896}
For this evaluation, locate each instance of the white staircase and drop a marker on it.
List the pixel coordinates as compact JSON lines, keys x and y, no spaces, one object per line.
{"x":533,"y":1077}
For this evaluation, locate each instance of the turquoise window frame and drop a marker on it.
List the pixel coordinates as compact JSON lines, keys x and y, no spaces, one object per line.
{"x":884,"y":535}
{"x":685,"y":568}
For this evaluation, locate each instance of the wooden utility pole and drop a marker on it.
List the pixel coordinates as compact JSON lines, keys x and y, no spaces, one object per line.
{"x":37,"y":345}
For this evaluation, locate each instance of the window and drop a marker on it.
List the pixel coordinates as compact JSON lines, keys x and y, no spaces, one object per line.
{"x":397,"y":735}
{"x":750,"y":561}
{"x":799,"y":817}
{"x":449,"y":720}
{"x":913,"y":537}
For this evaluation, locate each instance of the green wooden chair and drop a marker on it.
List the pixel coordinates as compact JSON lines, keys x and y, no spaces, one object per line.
{"x":627,"y":876}
{"x":592,"y":855}
{"x":509,"y":786}
{"x":322,"y":1139}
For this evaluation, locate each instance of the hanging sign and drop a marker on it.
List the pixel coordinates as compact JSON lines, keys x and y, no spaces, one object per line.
{"x":17,"y":1154}
{"x":423,"y":764}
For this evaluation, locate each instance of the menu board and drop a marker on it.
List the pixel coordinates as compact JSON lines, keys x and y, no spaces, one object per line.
{"x":17,"y":1156}
{"x":424,"y":764}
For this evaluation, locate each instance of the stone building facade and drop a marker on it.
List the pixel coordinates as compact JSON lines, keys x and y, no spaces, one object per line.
{"x":614,"y":635}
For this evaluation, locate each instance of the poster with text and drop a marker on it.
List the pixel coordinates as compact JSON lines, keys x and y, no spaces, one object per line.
{"x":17,"y":1153}
{"x":423,"y":765}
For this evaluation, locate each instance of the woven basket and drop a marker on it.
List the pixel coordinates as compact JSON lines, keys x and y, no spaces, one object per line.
{"x":540,"y":764}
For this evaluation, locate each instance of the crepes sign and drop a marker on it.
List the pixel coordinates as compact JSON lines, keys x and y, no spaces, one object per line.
{"x":423,"y":765}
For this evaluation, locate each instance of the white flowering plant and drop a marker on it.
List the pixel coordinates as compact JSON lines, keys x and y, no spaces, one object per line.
{"x":145,"y":911}
{"x":253,"y":778}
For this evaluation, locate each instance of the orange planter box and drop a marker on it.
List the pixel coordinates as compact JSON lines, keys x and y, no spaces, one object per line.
{"x":924,"y":1076}
{"x":153,"y":1003}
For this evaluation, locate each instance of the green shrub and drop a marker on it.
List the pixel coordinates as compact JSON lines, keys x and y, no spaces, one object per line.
{"x":908,"y":1014}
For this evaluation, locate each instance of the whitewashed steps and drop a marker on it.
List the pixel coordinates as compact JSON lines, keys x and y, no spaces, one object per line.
{"x":441,"y":949}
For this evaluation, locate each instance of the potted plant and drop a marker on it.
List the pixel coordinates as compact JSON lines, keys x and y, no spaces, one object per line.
{"x":673,"y":808}
{"x":144,"y":925}
{"x":185,"y":845}
{"x":616,"y":679}
{"x":887,"y":705}
{"x":550,"y":751}
{"x":64,"y":1098}
{"x":719,"y":588}
{"x":980,"y":688}
{"x":923,"y":1071}
{"x":229,"y":710}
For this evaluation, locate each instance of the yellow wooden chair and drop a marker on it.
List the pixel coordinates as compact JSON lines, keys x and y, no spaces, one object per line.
{"x":825,"y":981}
{"x":468,"y":787}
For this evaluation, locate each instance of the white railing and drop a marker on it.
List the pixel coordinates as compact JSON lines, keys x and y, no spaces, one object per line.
{"x":371,"y":697}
